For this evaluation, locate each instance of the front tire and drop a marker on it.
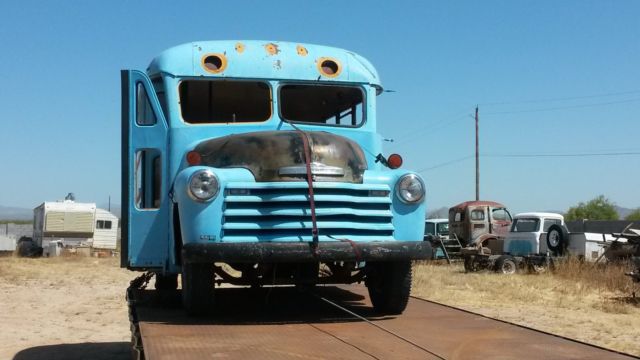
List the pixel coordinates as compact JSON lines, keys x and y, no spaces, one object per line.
{"x":506,"y":264}
{"x":470,"y":264}
{"x":197,"y":288}
{"x":166,"y":282}
{"x":389,"y":285}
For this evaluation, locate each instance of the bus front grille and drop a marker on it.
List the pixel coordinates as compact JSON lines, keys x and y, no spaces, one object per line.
{"x":281,"y":212}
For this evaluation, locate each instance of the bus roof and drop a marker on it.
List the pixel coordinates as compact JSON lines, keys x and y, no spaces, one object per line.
{"x":264,"y":60}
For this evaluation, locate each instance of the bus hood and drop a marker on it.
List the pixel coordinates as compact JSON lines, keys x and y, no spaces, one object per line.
{"x":279,"y":155}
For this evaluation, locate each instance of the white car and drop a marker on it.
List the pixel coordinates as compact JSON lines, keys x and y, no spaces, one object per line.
{"x":528,"y":234}
{"x":436,"y":227}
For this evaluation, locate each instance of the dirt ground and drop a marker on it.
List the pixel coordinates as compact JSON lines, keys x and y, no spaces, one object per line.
{"x":63,"y":308}
{"x":74,"y":308}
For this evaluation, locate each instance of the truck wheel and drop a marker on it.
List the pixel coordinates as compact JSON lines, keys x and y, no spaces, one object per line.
{"x":197,"y":288}
{"x":538,"y":268}
{"x":470,"y":264}
{"x":166,"y":282}
{"x":506,"y":264}
{"x":557,"y":238}
{"x":541,"y":267}
{"x":389,"y":286}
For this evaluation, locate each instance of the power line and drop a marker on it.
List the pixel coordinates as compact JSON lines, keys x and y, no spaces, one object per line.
{"x":446,"y":163}
{"x":412,"y":132}
{"x":440,"y":125}
{"x":450,"y":162}
{"x":562,"y":155}
{"x":497,"y":103}
{"x":562,"y":107}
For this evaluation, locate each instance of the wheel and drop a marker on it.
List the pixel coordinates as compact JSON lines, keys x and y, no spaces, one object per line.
{"x":389,"y":286}
{"x":306,"y":276}
{"x":197,"y":288}
{"x":506,"y":264}
{"x":537,"y":269}
{"x":541,"y":267}
{"x":557,"y":239}
{"x":166,"y":282}
{"x":470,"y":264}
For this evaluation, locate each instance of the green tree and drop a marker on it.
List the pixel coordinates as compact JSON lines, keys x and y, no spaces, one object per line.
{"x":634,"y":215}
{"x":599,"y":208}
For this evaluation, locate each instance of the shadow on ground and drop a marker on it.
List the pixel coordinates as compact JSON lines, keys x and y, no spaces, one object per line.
{"x":263,"y":306}
{"x":97,"y":351}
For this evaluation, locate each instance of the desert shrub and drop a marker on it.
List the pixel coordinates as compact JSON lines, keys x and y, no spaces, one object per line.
{"x":602,"y":276}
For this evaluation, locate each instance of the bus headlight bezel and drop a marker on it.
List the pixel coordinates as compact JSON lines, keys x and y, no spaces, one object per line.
{"x":204,"y":185}
{"x":407,"y":185}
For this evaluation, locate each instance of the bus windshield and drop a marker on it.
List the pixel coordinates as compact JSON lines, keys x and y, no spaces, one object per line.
{"x":224,"y":101}
{"x":335,"y":105}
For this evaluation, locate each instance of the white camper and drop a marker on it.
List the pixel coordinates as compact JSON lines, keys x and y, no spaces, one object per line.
{"x":69,"y":223}
{"x":106,"y":230}
{"x":67,"y":219}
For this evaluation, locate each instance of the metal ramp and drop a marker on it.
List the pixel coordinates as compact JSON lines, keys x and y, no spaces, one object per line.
{"x":285,"y":323}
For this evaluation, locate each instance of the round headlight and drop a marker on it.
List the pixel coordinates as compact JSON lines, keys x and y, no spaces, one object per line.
{"x":410,"y":189}
{"x":203,"y":185}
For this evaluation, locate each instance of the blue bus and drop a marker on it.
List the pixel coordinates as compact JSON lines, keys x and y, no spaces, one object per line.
{"x":258,"y":163}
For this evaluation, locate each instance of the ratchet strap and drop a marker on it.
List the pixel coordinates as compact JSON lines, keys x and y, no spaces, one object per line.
{"x":312,"y":201}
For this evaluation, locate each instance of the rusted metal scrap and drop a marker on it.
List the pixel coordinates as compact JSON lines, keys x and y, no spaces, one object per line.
{"x":633,"y":243}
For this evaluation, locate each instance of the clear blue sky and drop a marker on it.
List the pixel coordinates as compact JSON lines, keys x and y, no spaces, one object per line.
{"x":60,"y":91}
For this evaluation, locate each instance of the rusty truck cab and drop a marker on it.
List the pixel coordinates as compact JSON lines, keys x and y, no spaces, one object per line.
{"x":477,"y":222}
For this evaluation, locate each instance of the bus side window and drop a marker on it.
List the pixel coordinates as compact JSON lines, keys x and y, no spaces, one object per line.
{"x":144,"y":112}
{"x":147,"y":180}
{"x":158,"y":86}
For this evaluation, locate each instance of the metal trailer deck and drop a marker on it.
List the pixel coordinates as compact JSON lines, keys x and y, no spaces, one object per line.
{"x":333,"y":323}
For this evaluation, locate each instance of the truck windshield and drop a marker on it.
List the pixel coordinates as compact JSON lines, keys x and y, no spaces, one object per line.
{"x":322,"y":104}
{"x":443,"y":229}
{"x":525,"y":225}
{"x":224,"y":101}
{"x":429,"y":228}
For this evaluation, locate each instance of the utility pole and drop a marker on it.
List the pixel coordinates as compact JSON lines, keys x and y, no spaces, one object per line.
{"x":109,"y":209}
{"x":477,"y":159}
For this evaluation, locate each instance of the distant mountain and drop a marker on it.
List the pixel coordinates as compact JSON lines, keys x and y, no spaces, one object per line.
{"x":439,"y":213}
{"x":15,"y":213}
{"x":623,"y":212}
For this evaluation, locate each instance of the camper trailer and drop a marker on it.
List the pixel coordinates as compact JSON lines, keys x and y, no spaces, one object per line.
{"x":106,"y":231}
{"x":63,"y":220}
{"x":66,"y":223}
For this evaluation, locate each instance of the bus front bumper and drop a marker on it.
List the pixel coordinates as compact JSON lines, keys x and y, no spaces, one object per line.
{"x":297,"y":252}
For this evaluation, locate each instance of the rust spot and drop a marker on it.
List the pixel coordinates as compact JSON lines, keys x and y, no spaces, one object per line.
{"x":302,"y":51}
{"x":271,"y":48}
{"x":240,"y":47}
